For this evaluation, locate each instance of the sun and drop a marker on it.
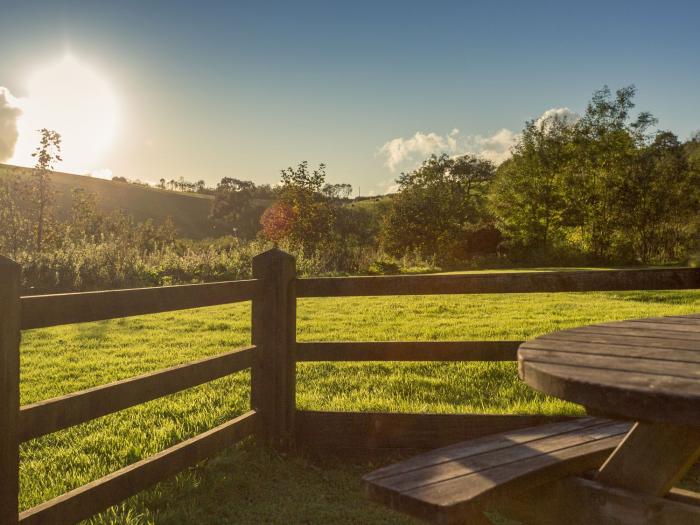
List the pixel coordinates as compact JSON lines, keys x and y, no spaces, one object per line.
{"x":77,"y":102}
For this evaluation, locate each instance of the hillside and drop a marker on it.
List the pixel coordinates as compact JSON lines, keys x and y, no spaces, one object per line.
{"x":189,"y":211}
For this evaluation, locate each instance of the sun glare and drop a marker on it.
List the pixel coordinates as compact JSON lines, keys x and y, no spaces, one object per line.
{"x":75,"y":101}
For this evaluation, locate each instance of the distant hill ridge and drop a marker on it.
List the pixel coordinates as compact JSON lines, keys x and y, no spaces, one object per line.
{"x":189,"y":211}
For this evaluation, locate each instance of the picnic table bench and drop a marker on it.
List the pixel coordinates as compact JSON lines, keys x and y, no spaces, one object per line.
{"x":642,"y":375}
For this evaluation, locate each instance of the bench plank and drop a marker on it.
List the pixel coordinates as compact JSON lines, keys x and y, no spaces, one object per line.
{"x":456,"y":483}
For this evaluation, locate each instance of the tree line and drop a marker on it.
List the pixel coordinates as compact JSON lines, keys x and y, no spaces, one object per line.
{"x":608,"y":188}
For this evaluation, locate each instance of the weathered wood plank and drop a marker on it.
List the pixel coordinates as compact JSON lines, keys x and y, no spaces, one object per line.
{"x":673,"y":319}
{"x":274,"y":332}
{"x":622,"y":363}
{"x":40,"y":311}
{"x":578,"y":501}
{"x":372,"y":432}
{"x":630,"y":351}
{"x":455,"y":484}
{"x":662,"y":328}
{"x":628,"y":394}
{"x":575,"y":281}
{"x":408,"y":351}
{"x":99,"y":495}
{"x":55,"y":414}
{"x":9,"y":390}
{"x":464,"y":463}
{"x":449,"y":497}
{"x":487,"y":444}
{"x":613,"y":338}
{"x":665,"y":335}
{"x":652,"y":458}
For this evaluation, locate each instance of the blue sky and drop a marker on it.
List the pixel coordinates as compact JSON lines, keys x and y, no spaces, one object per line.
{"x":243,"y":89}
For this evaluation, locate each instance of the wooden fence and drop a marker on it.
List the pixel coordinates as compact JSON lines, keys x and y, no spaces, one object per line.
{"x":272,"y":357}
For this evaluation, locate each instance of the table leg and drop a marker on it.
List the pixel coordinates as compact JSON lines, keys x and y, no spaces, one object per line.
{"x":652,"y":458}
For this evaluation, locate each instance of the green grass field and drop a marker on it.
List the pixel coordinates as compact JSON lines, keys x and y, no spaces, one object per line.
{"x":251,"y":485}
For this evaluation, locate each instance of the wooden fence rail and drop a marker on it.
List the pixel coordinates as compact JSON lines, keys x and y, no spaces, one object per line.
{"x":523,"y":282}
{"x":40,"y":311}
{"x":409,"y":351}
{"x":272,"y":358}
{"x":66,"y":411}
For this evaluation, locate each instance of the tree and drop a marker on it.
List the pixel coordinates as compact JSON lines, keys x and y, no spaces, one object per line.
{"x":438,"y":209}
{"x":528,"y":196}
{"x":337,"y":191}
{"x":605,"y":187}
{"x":312,"y":215}
{"x":235,"y":208}
{"x":659,"y":201}
{"x":47,"y":154}
{"x":606,"y":141}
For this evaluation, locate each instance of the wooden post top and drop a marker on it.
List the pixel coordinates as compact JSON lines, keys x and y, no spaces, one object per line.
{"x":645,"y":369}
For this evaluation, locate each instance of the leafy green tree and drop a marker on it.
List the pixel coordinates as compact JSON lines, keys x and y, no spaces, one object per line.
{"x":606,"y":141}
{"x":659,"y":201}
{"x":440,"y":210}
{"x":313,"y":215}
{"x":528,"y":196}
{"x":606,"y":187}
{"x":337,"y":191}
{"x":235,"y":208}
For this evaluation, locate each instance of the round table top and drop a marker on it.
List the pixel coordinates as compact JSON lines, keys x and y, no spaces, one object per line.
{"x":645,"y":369}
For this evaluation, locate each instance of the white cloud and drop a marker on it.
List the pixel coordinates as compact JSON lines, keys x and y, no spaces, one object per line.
{"x":9,"y":115}
{"x":408,"y":153}
{"x":564,"y":115}
{"x":419,"y":146}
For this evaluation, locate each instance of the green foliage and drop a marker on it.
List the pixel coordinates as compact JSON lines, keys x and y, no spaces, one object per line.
{"x":312,"y":216}
{"x":528,"y":195}
{"x":337,"y":191}
{"x":604,"y":188}
{"x":440,"y":210}
{"x":384,"y":267}
{"x":238,"y":207}
{"x":16,"y":233}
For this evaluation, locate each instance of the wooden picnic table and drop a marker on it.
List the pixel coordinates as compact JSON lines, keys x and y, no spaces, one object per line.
{"x":645,"y":370}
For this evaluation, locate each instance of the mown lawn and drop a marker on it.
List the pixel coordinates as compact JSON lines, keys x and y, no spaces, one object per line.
{"x":251,"y":485}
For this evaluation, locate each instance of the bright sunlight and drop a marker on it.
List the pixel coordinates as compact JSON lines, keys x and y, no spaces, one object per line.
{"x":76,"y":101}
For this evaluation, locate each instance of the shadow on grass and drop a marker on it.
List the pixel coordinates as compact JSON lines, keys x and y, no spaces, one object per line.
{"x":251,"y":485}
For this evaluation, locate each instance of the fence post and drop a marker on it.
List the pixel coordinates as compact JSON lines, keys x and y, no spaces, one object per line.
{"x":9,"y":391}
{"x":274,"y":332}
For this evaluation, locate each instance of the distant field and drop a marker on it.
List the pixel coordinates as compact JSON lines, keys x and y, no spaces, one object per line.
{"x":189,"y":211}
{"x":251,"y":485}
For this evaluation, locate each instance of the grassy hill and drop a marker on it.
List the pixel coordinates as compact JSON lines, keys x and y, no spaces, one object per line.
{"x":189,"y":211}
